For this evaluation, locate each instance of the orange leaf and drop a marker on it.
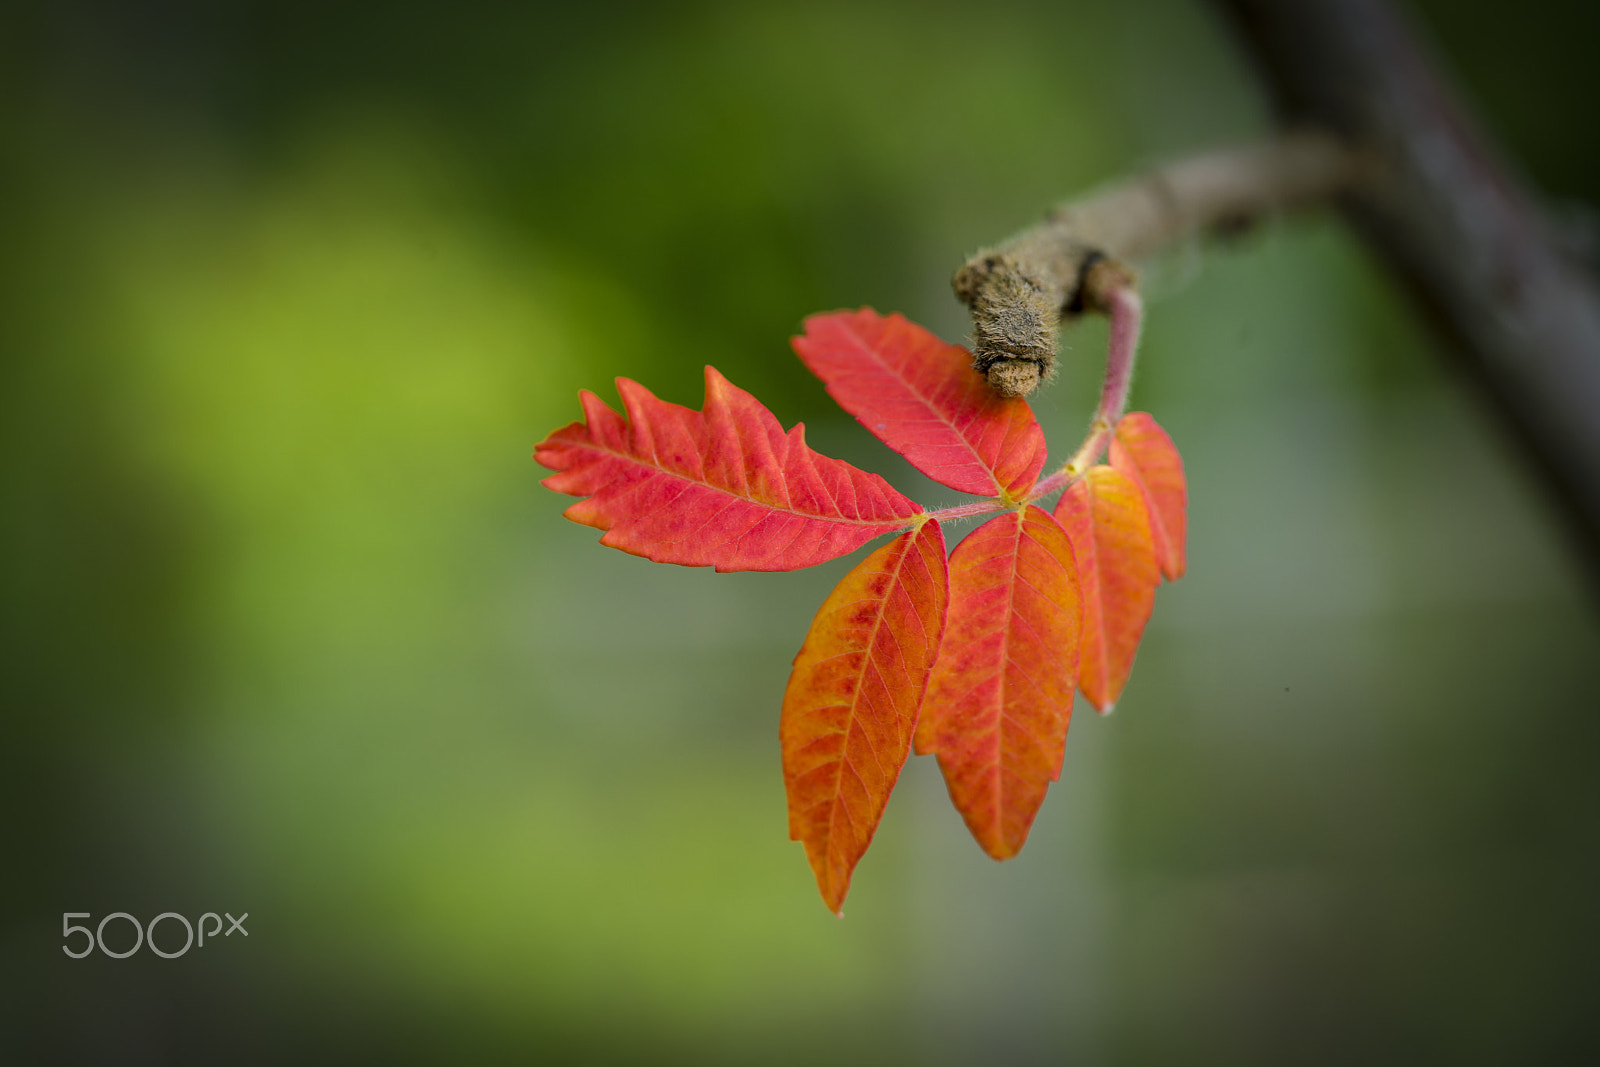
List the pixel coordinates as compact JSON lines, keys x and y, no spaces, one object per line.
{"x":1104,"y":514}
{"x":852,"y":701}
{"x":725,"y":487}
{"x":1143,"y":451}
{"x":1001,"y":693}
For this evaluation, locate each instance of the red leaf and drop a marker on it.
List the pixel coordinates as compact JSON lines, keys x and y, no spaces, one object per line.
{"x":852,"y":701}
{"x":922,"y":398}
{"x":725,"y":488}
{"x":1143,"y":451}
{"x":1104,"y":515}
{"x":1000,"y":697}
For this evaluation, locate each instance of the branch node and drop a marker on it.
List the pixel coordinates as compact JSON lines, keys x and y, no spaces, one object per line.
{"x":1101,"y":277}
{"x":1020,"y":290}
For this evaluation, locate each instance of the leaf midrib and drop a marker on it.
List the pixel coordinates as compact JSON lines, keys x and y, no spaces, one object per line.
{"x":892,"y":523}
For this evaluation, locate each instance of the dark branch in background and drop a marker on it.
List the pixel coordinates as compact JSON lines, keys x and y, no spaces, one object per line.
{"x":1454,"y":223}
{"x":1019,"y":291}
{"x":1420,"y":183}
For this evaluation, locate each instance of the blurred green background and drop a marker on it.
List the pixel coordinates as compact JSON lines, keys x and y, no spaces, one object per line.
{"x":289,"y":291}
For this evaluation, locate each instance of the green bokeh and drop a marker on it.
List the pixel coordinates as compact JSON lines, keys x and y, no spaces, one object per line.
{"x":288,"y":295}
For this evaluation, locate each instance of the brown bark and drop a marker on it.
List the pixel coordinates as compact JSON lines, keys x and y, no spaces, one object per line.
{"x":1456,"y":225}
{"x":1019,"y":290}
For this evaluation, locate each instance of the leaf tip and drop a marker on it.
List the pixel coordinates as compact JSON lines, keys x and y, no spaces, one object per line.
{"x":834,"y":889}
{"x":1003,"y":849}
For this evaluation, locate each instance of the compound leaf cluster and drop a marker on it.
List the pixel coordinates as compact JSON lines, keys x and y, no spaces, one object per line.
{"x":973,"y":656}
